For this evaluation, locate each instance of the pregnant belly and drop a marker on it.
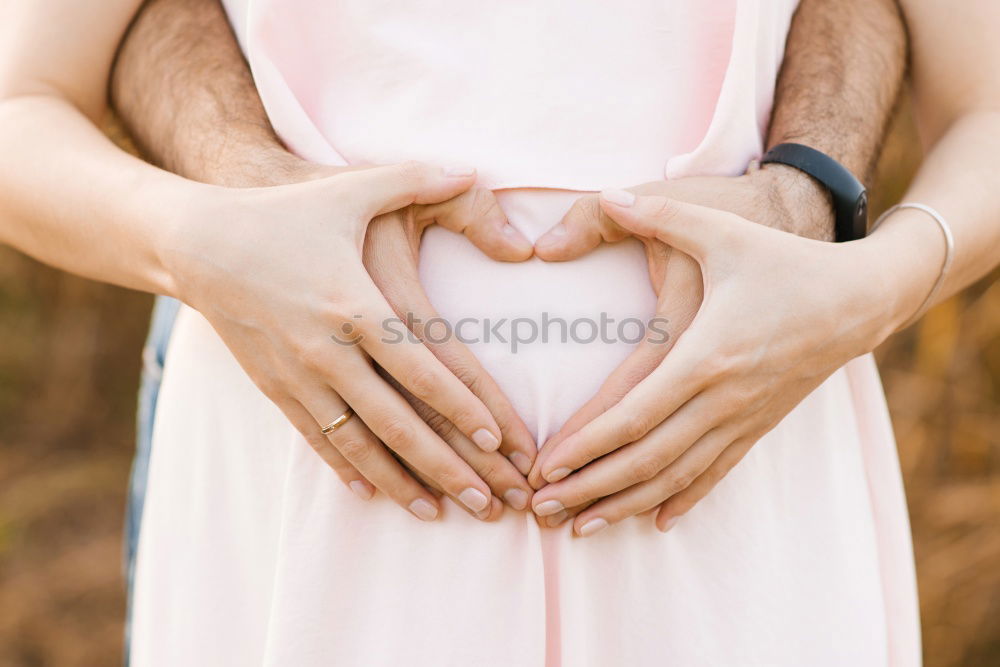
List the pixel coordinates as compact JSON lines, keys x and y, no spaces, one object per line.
{"x":549,"y":333}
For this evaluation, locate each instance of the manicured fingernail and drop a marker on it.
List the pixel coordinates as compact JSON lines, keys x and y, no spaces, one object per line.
{"x":423,"y":510}
{"x":593,"y":526}
{"x":619,"y":197}
{"x":362,"y":490}
{"x":669,"y":524}
{"x":485,"y":440}
{"x":558,"y":474}
{"x":521,"y":462}
{"x":458,"y":170}
{"x":548,"y":507}
{"x":516,"y":498}
{"x":556,"y":519}
{"x":474,"y":499}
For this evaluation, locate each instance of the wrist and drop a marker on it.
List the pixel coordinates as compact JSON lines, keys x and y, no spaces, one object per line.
{"x":909,"y":250}
{"x":803,"y":204}
{"x":187,"y":210}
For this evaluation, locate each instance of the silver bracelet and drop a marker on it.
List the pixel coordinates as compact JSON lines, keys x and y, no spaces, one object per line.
{"x":949,"y":254}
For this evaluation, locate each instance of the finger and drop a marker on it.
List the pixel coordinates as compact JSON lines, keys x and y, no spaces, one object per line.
{"x":635,"y":463}
{"x":643,"y":497}
{"x":415,"y":367}
{"x":679,"y":503}
{"x":584,"y":227}
{"x":690,"y":228}
{"x":304,"y":423}
{"x":398,"y":280}
{"x":391,"y":419}
{"x":676,"y":310}
{"x":476,"y":213}
{"x":665,"y":390}
{"x":383,"y":189}
{"x":356,"y":443}
{"x":493,"y":468}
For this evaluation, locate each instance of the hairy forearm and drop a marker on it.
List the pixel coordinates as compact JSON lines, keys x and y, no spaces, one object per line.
{"x":843,"y":68}
{"x":182,"y":88}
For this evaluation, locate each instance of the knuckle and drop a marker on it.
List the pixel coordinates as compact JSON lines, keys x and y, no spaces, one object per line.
{"x":355,"y":450}
{"x":680,"y":480}
{"x":634,"y":427}
{"x":423,"y":383}
{"x":665,"y":209}
{"x":270,"y":386}
{"x":644,"y":468}
{"x":484,"y":203}
{"x":449,"y":479}
{"x":411,"y":170}
{"x":489,"y":470}
{"x":398,"y":435}
{"x":440,"y":425}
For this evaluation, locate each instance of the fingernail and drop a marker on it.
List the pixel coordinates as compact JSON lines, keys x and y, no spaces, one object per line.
{"x":521,"y":462}
{"x":548,"y":507}
{"x":423,"y":510}
{"x":361,"y":490}
{"x":485,"y":440}
{"x":474,"y":499}
{"x":556,"y":519}
{"x":619,"y":197}
{"x":669,"y":524}
{"x":516,"y":498}
{"x":457,"y":170}
{"x":592,"y":527}
{"x":558,"y":474}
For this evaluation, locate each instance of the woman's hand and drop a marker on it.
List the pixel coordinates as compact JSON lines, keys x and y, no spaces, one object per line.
{"x":780,"y":314}
{"x":765,"y":196}
{"x":278,"y":272}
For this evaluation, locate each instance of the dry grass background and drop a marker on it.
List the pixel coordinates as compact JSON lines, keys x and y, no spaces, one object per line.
{"x":69,"y":364}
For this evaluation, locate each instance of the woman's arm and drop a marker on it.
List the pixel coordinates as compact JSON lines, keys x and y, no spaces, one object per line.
{"x":68,"y":196}
{"x":274,"y":293}
{"x":955,"y":71}
{"x":804,"y":308}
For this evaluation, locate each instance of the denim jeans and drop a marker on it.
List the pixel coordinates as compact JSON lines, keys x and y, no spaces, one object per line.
{"x":153,"y":355}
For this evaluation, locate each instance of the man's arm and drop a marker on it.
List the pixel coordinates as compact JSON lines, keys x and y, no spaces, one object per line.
{"x":183,"y":89}
{"x":841,"y":76}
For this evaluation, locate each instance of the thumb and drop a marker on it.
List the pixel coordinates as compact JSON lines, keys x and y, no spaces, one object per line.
{"x":476,"y":213}
{"x":385,"y":189}
{"x":584,"y":227}
{"x":690,"y":228}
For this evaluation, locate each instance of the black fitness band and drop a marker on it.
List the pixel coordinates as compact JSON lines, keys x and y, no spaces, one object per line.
{"x":850,"y":200}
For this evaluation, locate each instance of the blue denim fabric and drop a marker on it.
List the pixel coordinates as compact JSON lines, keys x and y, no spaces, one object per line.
{"x":153,"y":355}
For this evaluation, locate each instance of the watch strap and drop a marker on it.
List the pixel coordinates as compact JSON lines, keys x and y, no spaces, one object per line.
{"x":850,"y":200}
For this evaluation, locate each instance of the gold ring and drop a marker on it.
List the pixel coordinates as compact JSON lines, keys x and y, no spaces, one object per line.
{"x":338,"y":422}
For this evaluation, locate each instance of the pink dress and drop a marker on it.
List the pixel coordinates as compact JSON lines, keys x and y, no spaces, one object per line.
{"x":252,"y":552}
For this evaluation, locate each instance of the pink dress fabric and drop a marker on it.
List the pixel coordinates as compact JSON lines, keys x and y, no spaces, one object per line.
{"x":252,"y":552}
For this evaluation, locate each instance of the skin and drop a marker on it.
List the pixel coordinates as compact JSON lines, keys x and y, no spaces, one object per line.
{"x":180,"y":62}
{"x":181,"y":86}
{"x":673,"y":437}
{"x":221,"y":250}
{"x":841,"y":75}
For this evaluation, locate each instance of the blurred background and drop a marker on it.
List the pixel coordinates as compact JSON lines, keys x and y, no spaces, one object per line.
{"x":69,"y":368}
